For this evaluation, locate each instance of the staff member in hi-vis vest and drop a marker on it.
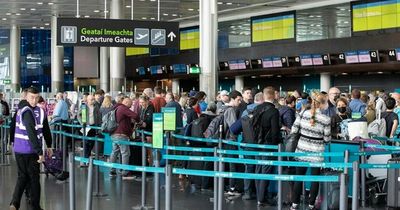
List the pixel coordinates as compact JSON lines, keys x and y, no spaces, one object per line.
{"x":31,"y":128}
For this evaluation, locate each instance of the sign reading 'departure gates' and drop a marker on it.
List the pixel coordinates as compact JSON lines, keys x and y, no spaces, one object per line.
{"x":117,"y":33}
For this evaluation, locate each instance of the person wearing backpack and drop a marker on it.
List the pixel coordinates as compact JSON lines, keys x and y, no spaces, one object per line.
{"x":93,"y":117}
{"x":315,"y":131}
{"x":267,"y":133}
{"x":391,"y":118}
{"x":124,"y":117}
{"x":230,"y":118}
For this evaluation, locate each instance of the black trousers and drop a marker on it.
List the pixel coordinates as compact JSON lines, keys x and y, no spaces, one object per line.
{"x":28,"y":174}
{"x":89,"y":144}
{"x":262,"y":185}
{"x":298,"y":186}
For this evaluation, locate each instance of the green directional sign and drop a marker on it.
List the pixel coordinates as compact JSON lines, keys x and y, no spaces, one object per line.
{"x":158,"y":132}
{"x":117,"y":33}
{"x":169,"y":118}
{"x":6,"y":81}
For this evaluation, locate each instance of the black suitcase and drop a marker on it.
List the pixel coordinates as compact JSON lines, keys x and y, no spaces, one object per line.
{"x":136,"y":157}
{"x":393,"y":186}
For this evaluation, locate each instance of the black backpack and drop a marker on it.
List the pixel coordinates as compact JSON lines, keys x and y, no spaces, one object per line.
{"x":199,"y":126}
{"x":212,"y":130}
{"x":251,"y":125}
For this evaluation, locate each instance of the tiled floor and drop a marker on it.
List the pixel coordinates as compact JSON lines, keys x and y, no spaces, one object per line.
{"x":121,"y":194}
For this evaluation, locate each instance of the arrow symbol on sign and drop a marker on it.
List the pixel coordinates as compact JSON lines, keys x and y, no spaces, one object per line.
{"x":171,"y":35}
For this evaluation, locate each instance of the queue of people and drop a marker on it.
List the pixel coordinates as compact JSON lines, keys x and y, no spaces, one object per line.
{"x":316,"y":117}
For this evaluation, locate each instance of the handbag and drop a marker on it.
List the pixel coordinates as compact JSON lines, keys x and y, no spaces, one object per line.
{"x":293,"y":139}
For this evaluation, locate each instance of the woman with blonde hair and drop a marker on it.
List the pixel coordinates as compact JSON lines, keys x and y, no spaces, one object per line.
{"x":315,"y":131}
{"x":106,"y":106}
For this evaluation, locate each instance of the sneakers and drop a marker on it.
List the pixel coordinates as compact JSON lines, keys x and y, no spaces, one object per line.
{"x":311,"y":207}
{"x":128,"y":177}
{"x":12,"y":207}
{"x":247,"y":196}
{"x":232,"y":192}
{"x":294,"y":207}
{"x":113,"y":174}
{"x":260,"y":204}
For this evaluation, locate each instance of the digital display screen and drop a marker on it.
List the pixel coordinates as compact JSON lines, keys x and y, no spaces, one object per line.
{"x":351,"y":57}
{"x":306,"y":60}
{"x":141,"y":71}
{"x":273,"y":27}
{"x":156,"y":70}
{"x":179,"y":69}
{"x":376,"y":15}
{"x":317,"y":60}
{"x":267,"y":63}
{"x":190,"y":38}
{"x":239,"y":64}
{"x":277,"y":62}
{"x":364,"y":57}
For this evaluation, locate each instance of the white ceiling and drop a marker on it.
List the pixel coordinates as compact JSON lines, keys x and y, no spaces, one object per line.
{"x":37,"y":13}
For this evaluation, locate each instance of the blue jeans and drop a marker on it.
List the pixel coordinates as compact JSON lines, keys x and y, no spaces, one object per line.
{"x":120,"y":149}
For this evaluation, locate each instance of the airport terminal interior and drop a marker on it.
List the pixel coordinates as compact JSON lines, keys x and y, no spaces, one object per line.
{"x":199,"y":104}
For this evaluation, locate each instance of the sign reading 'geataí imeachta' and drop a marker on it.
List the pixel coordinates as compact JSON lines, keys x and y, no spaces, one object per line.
{"x":117,"y":33}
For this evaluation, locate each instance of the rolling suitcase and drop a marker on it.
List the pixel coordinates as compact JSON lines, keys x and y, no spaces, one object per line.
{"x":393,"y":186}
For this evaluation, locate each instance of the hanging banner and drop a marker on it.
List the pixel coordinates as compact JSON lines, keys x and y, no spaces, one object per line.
{"x":117,"y":33}
{"x":158,"y":132}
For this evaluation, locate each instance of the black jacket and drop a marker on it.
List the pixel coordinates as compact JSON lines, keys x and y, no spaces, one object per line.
{"x":6,"y":111}
{"x":146,"y":115}
{"x":270,"y":129}
{"x":29,"y":122}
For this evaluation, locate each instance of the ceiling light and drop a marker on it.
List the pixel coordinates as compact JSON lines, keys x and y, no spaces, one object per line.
{"x":33,"y":9}
{"x":77,"y":16}
{"x":220,"y":3}
{"x":312,"y":25}
{"x":40,"y":3}
{"x":50,"y":3}
{"x":144,"y":18}
{"x":17,"y":14}
{"x":128,"y":6}
{"x":379,"y":72}
{"x":174,"y":15}
{"x":152,"y":18}
{"x":41,"y":27}
{"x":228,"y":3}
{"x":87,"y":16}
{"x":346,"y":22}
{"x":318,"y":25}
{"x":8,"y":13}
{"x":190,"y":9}
{"x":344,"y":73}
{"x":96,"y":11}
{"x":22,"y":9}
{"x":165,"y":14}
{"x":318,"y":16}
{"x":342,"y":9}
{"x":152,"y":0}
{"x":142,"y":0}
{"x":47,"y":24}
{"x":311,"y":16}
{"x":4,"y":18}
{"x":34,"y":27}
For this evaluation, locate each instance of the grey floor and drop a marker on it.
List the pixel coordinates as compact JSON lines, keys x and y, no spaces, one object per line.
{"x":121,"y":194}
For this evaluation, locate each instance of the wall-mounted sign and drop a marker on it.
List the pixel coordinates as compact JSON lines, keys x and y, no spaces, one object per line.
{"x":117,"y":33}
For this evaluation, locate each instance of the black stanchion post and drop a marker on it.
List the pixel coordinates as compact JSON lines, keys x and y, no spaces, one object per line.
{"x":64,"y":151}
{"x":356,"y":184}
{"x":168,"y":187}
{"x":167,"y":138}
{"x":280,"y":182}
{"x":157,"y":182}
{"x":72,"y":204}
{"x":73,"y":140}
{"x":221,"y":169}
{"x":343,"y":184}
{"x":215,"y":181}
{"x":143,"y":201}
{"x":89,"y":190}
{"x":97,"y":175}
{"x":363,"y":176}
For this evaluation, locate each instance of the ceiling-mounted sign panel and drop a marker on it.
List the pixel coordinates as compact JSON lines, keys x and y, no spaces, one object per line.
{"x":117,"y":33}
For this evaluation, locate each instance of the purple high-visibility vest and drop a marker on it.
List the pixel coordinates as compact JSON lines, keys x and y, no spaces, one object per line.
{"x":22,"y":143}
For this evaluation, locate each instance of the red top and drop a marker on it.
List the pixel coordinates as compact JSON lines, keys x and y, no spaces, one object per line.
{"x":158,"y":102}
{"x":124,"y":118}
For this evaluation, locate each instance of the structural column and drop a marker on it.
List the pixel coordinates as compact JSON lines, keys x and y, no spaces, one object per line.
{"x":117,"y":54}
{"x":57,"y":60}
{"x":208,"y":47}
{"x":15,"y":57}
{"x":104,"y":69}
{"x":175,"y":86}
{"x":239,"y":83}
{"x":325,"y":82}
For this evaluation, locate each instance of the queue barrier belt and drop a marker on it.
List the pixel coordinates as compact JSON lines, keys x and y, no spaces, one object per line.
{"x":273,"y":177}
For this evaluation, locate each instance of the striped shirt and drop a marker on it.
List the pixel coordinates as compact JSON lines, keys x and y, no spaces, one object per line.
{"x":312,"y":138}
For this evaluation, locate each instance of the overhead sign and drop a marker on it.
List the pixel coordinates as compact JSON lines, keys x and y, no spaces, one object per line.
{"x":117,"y":33}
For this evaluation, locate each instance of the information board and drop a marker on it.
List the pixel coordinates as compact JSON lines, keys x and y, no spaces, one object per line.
{"x":273,"y":27}
{"x":158,"y":132}
{"x":169,"y":118}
